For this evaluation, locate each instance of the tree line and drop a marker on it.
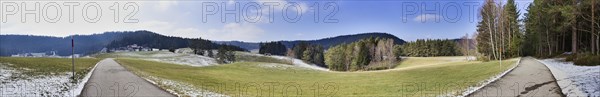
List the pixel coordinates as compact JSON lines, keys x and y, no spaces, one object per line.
{"x":430,"y":48}
{"x":365,"y":54}
{"x":312,"y":53}
{"x":273,"y":48}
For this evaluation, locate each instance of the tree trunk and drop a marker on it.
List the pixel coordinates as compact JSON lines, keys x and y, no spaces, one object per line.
{"x":491,"y":37}
{"x":597,"y":44}
{"x":574,"y":41}
{"x":594,"y":43}
{"x":563,"y":44}
{"x":548,"y":42}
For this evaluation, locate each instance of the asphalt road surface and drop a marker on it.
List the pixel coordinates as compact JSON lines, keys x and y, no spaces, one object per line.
{"x":530,"y":78}
{"x":111,"y":79}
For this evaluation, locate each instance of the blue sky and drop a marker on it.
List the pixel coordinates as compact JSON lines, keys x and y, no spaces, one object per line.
{"x":409,"y":20}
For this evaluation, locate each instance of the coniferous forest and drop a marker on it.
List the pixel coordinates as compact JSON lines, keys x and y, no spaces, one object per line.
{"x":549,"y":28}
{"x":430,"y":48}
{"x":366,"y":54}
{"x":272,"y":48}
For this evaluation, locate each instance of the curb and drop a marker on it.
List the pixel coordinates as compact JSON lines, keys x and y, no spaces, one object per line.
{"x":562,"y":84}
{"x":85,"y":80}
{"x":491,"y":80}
{"x":149,"y":81}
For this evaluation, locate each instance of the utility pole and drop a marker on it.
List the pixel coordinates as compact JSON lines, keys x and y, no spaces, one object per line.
{"x":73,"y":56}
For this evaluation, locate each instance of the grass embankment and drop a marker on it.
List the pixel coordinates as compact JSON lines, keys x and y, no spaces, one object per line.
{"x":257,"y":79}
{"x":583,"y":59}
{"x":49,"y":66}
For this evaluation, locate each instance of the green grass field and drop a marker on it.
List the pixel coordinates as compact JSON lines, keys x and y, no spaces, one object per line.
{"x":141,"y":54}
{"x":49,"y":66}
{"x":255,"y":79}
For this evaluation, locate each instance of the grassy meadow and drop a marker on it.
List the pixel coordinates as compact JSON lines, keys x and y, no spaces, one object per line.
{"x":245,"y":57}
{"x":429,"y":61}
{"x":141,"y":54}
{"x":49,"y":66}
{"x":409,"y":78}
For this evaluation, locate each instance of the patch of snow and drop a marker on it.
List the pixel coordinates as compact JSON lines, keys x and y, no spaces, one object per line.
{"x":295,"y":62}
{"x":280,"y":66}
{"x":4,"y":73}
{"x":471,"y":90}
{"x":185,"y":89}
{"x":575,"y":80}
{"x":160,"y":55}
{"x":14,"y":83}
{"x":129,"y":54}
{"x":188,"y":59}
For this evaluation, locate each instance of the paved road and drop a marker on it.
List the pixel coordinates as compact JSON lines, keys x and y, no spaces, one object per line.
{"x":530,"y":78}
{"x":111,"y":79}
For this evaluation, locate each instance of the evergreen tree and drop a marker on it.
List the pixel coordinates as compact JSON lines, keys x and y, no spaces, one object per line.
{"x":273,"y":48}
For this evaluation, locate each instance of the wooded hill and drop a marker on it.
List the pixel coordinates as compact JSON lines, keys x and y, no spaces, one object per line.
{"x":365,"y":54}
{"x":154,"y":40}
{"x":86,"y":44}
{"x":325,"y":42}
{"x":90,"y":44}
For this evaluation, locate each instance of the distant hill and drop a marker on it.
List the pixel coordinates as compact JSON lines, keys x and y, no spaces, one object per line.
{"x":154,"y":40}
{"x":326,"y":42}
{"x":86,"y":44}
{"x":90,"y":44}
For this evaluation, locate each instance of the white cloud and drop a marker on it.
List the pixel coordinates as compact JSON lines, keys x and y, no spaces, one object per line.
{"x":161,"y":22}
{"x":281,"y":4}
{"x":304,"y":7}
{"x":428,"y":17}
{"x":238,"y":31}
{"x":230,"y":2}
{"x":164,"y":5}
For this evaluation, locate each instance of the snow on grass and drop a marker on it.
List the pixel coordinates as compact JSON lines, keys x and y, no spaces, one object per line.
{"x":182,"y":89}
{"x":14,"y":83}
{"x":282,"y":66}
{"x":169,"y":57}
{"x":575,"y":80}
{"x":188,"y":59}
{"x":300,"y":63}
{"x":295,"y":62}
